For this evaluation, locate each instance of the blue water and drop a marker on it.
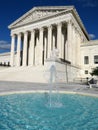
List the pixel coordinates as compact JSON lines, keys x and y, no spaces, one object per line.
{"x":32,"y":112}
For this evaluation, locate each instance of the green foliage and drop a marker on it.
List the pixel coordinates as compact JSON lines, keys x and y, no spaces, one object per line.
{"x":94,"y":72}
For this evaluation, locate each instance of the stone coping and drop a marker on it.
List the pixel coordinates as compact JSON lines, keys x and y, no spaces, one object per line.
{"x":44,"y":91}
{"x":7,"y":88}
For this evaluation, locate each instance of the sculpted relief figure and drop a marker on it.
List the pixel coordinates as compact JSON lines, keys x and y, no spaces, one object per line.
{"x":54,"y":54}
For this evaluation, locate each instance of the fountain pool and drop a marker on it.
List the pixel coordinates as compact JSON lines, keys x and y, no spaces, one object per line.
{"x":32,"y":112}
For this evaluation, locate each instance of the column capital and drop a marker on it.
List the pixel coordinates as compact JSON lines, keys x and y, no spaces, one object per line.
{"x":13,"y":35}
{"x":33,"y":30}
{"x":49,"y":26}
{"x":59,"y":24}
{"x":69,"y":22}
{"x":19,"y":34}
{"x":26,"y":32}
{"x":41,"y":28}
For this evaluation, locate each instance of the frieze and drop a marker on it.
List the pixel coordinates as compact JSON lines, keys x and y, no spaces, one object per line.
{"x":35,"y":16}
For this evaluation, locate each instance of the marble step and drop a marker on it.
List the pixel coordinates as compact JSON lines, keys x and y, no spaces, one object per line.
{"x":24,"y":74}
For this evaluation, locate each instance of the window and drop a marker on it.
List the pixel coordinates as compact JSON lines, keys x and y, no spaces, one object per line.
{"x":86,"y":71}
{"x":86,"y":60}
{"x":96,"y":59}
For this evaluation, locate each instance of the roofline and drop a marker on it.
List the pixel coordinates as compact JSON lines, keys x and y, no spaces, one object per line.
{"x":90,"y":43}
{"x":52,"y":7}
{"x":81,"y":23}
{"x":39,"y":8}
{"x":70,"y":8}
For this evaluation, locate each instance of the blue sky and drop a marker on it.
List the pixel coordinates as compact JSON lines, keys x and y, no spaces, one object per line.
{"x":12,"y":9}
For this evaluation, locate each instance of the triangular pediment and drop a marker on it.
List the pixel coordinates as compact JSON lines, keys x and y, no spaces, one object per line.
{"x":34,"y":16}
{"x":37,"y":13}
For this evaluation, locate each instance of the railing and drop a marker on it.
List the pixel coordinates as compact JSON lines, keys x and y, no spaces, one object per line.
{"x":81,"y":80}
{"x":5,"y":64}
{"x":66,"y":61}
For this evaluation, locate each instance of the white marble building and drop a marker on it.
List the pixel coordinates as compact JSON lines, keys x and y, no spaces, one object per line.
{"x":5,"y":58}
{"x":43,"y":29}
{"x":89,"y":57}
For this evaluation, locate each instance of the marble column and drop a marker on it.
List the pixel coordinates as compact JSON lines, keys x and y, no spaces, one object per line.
{"x":53,"y":46}
{"x":37,"y":52}
{"x":49,"y":40}
{"x":69,"y":41}
{"x":78,"y":48}
{"x":12,"y":50}
{"x":59,"y":39}
{"x":41,"y":46}
{"x":45,"y":47}
{"x":73,"y":45}
{"x":25,"y":49}
{"x":18,"y":49}
{"x":62,"y":43}
{"x":31,"y":54}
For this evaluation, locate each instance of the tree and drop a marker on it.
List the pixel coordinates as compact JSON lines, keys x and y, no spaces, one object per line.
{"x":94,"y":71}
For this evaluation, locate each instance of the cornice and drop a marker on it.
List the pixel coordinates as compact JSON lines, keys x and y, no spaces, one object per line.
{"x":42,"y":19}
{"x":90,"y":43}
{"x":79,"y":21}
{"x":68,"y":9}
{"x":78,"y":28}
{"x":52,"y":7}
{"x":40,"y":8}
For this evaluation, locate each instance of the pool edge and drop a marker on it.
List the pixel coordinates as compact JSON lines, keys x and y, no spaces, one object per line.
{"x":44,"y":91}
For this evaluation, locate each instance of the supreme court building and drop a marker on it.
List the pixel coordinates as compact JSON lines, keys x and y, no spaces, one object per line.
{"x":43,"y":29}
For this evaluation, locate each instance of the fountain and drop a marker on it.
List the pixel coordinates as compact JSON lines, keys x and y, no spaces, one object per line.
{"x":39,"y":111}
{"x":51,"y":110}
{"x":53,"y":98}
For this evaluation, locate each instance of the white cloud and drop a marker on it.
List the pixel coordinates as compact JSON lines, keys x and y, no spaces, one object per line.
{"x":88,"y":3}
{"x":92,"y":36}
{"x":4,"y":45}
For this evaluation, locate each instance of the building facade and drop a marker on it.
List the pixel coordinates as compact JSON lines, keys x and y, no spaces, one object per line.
{"x":5,"y":59}
{"x":43,"y":29}
{"x":89,"y":57}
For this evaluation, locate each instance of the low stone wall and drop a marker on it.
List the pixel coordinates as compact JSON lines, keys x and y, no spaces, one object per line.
{"x":61,"y":71}
{"x":3,"y":67}
{"x":5,"y":59}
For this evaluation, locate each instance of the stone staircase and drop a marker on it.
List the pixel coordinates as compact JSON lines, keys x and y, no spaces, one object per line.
{"x":24,"y":74}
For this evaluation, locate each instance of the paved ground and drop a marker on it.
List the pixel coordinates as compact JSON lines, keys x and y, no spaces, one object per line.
{"x":13,"y":87}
